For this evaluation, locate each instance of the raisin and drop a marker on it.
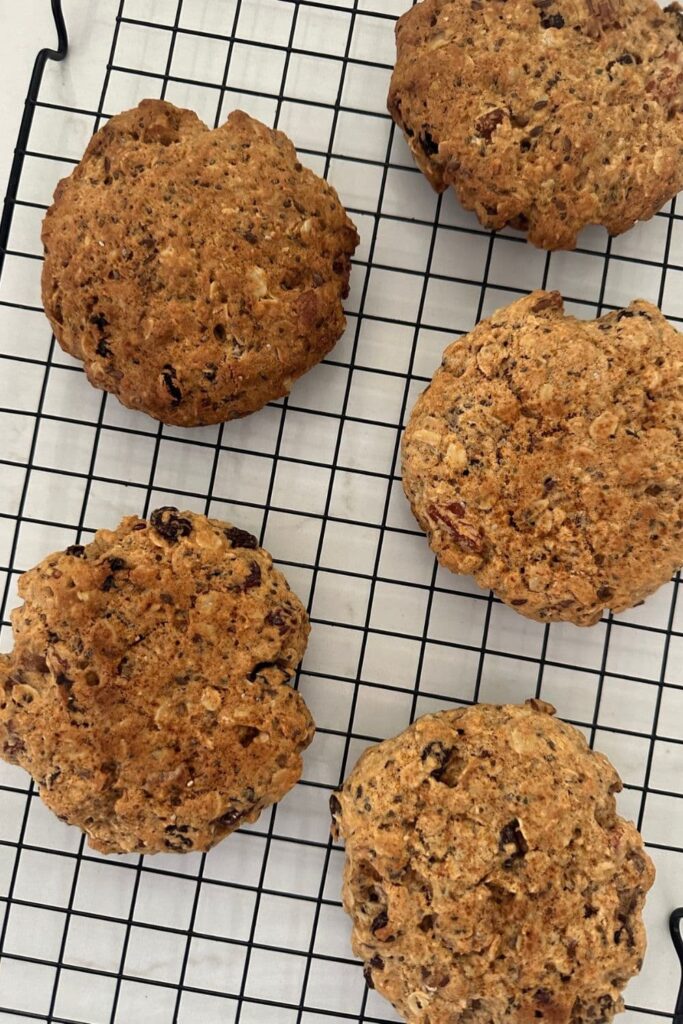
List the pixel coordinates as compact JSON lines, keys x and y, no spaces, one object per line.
{"x":380,"y":921}
{"x":177,"y":842}
{"x":604,"y":593}
{"x":488,"y":122}
{"x":367,"y":974}
{"x":625,"y":58}
{"x":240,"y":538}
{"x":64,"y":681}
{"x":457,"y":508}
{"x":278,"y":620}
{"x":254,"y":577}
{"x":247,"y":735}
{"x":251,"y":237}
{"x":169,"y":525}
{"x":75,"y":551}
{"x":168,"y":376}
{"x":543,"y":996}
{"x":428,"y":142}
{"x":552,"y":21}
{"x":335,"y":806}
{"x":262,"y":665}
{"x":99,"y":320}
{"x":103,"y":349}
{"x":549,"y":484}
{"x":653,"y":490}
{"x":377,"y":962}
{"x":230,"y":818}
{"x":116,"y":564}
{"x":551,"y":300}
{"x":440,"y":753}
{"x":108,"y":583}
{"x":511,"y":835}
{"x":625,"y":314}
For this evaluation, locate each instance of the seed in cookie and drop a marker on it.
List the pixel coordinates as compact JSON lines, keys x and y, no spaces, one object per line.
{"x":147,"y":690}
{"x":502,"y":890}
{"x":197,"y":274}
{"x":546,"y":115}
{"x":546,"y":458}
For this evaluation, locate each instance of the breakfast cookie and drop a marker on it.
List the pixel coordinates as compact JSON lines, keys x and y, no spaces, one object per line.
{"x":488,"y":875}
{"x":147,"y":690}
{"x":546,"y":458}
{"x":546,"y":115}
{"x":195,"y":273}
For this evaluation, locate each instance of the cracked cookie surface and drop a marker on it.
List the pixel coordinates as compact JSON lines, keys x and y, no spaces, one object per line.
{"x":147,"y":689}
{"x":197,"y":274}
{"x":547,"y":115}
{"x":488,"y":875}
{"x":546,"y":458}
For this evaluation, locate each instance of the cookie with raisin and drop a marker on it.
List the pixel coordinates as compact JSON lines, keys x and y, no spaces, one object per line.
{"x":546,"y":458}
{"x":488,"y":875}
{"x":546,"y":115}
{"x":147,"y":689}
{"x":195,"y":273}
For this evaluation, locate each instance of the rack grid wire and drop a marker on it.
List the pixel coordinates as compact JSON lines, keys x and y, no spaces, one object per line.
{"x":253,"y":932}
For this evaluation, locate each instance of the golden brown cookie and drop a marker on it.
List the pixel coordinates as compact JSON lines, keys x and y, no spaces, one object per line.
{"x":488,"y":875}
{"x":195,"y":273}
{"x":147,"y":690}
{"x":546,"y":458}
{"x":547,"y":115}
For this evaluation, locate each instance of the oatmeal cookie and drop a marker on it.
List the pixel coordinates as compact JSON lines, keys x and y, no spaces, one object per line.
{"x":547,"y":115}
{"x":147,"y":690}
{"x":489,"y":878}
{"x":546,"y":458}
{"x":195,"y":273}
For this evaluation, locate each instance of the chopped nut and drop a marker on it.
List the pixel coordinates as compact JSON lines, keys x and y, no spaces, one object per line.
{"x":456,"y":456}
{"x":256,"y":276}
{"x":604,"y":427}
{"x":210,"y":699}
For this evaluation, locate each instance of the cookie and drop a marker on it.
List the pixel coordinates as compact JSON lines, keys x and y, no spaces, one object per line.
{"x":488,"y":875}
{"x":546,"y":458}
{"x":147,"y":690}
{"x":197,"y":274}
{"x":546,"y":115}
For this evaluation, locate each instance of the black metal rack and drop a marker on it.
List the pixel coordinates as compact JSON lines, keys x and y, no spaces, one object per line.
{"x":440,"y":641}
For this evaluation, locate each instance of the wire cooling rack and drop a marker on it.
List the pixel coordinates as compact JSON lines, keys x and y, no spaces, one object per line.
{"x":254,"y":932}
